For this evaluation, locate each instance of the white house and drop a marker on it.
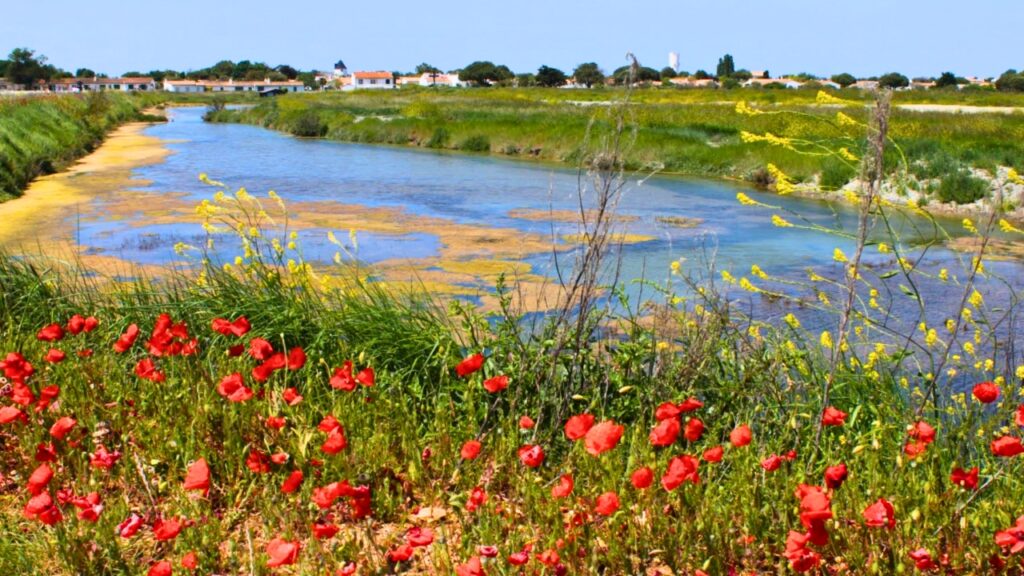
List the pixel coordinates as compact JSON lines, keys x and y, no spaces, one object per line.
{"x":233,"y":86}
{"x":379,"y":80}
{"x":866,"y":84}
{"x":129,"y":84}
{"x":762,"y":82}
{"x":450,"y":80}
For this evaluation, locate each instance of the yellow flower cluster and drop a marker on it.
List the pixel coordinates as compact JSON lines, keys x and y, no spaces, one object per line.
{"x":839,"y":256}
{"x":969,"y":226}
{"x":826,"y":98}
{"x":747,"y":200}
{"x":845,"y":120}
{"x":742,"y":108}
{"x":768,"y":138}
{"x":847,"y":155}
{"x":1014,"y":177}
{"x":783,"y":185}
{"x":780,"y":221}
{"x":1008,"y":228}
{"x":756,"y":270}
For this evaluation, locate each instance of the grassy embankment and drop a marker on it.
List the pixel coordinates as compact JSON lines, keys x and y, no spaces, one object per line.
{"x":41,"y":135}
{"x":693,"y":132}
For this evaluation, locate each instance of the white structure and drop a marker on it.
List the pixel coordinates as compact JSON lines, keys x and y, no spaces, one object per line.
{"x":438,"y":79}
{"x":231,"y":86}
{"x":866,"y":84}
{"x":131,"y":84}
{"x":379,"y":80}
{"x":761,"y":82}
{"x":673,"y":61}
{"x":691,"y":82}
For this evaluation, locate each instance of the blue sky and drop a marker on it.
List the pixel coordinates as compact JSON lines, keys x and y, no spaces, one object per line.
{"x":863,"y":37}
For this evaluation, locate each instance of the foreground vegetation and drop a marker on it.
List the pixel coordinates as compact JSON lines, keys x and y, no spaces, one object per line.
{"x":695,"y":132}
{"x":41,"y":135}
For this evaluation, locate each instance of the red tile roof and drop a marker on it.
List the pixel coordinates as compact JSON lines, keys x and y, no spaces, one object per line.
{"x":380,"y":75}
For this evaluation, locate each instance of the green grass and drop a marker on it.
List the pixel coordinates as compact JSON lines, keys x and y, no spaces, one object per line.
{"x":694,"y":132}
{"x":41,"y":135}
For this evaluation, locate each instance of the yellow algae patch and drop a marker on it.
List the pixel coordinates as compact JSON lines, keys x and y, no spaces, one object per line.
{"x":483,"y":267}
{"x":679,"y":221}
{"x":561,"y":215}
{"x":621,"y":238}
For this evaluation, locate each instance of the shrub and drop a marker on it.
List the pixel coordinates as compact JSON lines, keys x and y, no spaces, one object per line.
{"x":478,"y":143}
{"x":439,"y":139}
{"x":835,"y":175}
{"x":961,"y":187}
{"x":309,"y":125}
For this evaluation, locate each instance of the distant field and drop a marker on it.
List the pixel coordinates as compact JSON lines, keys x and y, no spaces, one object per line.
{"x":694,"y":132}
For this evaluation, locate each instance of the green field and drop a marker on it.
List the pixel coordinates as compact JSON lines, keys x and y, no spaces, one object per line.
{"x":692,"y":132}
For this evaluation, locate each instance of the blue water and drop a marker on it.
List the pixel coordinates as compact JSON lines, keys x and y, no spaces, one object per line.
{"x":483,"y":190}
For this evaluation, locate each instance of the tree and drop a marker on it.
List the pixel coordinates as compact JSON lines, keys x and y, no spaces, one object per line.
{"x":3,"y":68}
{"x":741,"y":75}
{"x":588,"y":74}
{"x":550,"y":77}
{"x":526,"y":80}
{"x":643,"y":74}
{"x":893,"y":80}
{"x":844,"y":80}
{"x":23,"y":67}
{"x":726,"y":66}
{"x":84,"y":73}
{"x":289,"y":72}
{"x":701,"y":75}
{"x":946,"y":80}
{"x":425,"y":68}
{"x":1010,"y":81}
{"x":668,"y":72}
{"x":484,"y":73}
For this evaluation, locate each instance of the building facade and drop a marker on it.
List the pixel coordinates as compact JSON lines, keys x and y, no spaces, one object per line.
{"x":265,"y":85}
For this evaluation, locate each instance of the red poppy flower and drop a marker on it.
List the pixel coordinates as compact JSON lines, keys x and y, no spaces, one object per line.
{"x":470,"y":450}
{"x":531,"y":456}
{"x":130,"y":526}
{"x":346,"y":570}
{"x":713,"y":454}
{"x":694,"y":429}
{"x":342,"y":378}
{"x":161,"y":568}
{"x":477,"y":498}
{"x":400,"y":554}
{"x":325,"y":496}
{"x":276,"y":422}
{"x":487,"y":551}
{"x":296,"y":358}
{"x":986,"y":392}
{"x":690,"y":404}
{"x":1019,"y":416}
{"x":198,"y":476}
{"x":325,"y":530}
{"x":328,"y":423}
{"x":126,"y":340}
{"x":526,"y":423}
{"x":965,"y":479}
{"x":472,"y":567}
{"x":282,"y":552}
{"x":922,"y":431}
{"x":880,"y":514}
{"x":166,"y":529}
{"x":771,"y":463}
{"x":496,"y":384}
{"x":101,"y":458}
{"x":1007,"y":446}
{"x":336,"y":441}
{"x":257,"y":462}
{"x":1012,"y":539}
{"x":666,"y":411}
{"x":260,"y":349}
{"x":741,"y":436}
{"x":914,"y":448}
{"x":801,"y":558}
{"x":419,"y":537}
{"x":39,"y":478}
{"x":680,"y":469}
{"x":233,"y":388}
{"x":835,"y":476}
{"x":9,"y":414}
{"x":291,"y":396}
{"x":190,"y":561}
{"x":366,"y":377}
{"x":45,"y":453}
{"x":76,"y":324}
{"x":922,"y":559}
{"x":62,"y":426}
{"x":42,"y":508}
{"x":292,"y":482}
{"x":603,"y":437}
{"x":577,"y":426}
{"x":16,"y":367}
{"x":55,"y":356}
{"x":642,"y":478}
{"x":563,"y":488}
{"x":470,"y":365}
{"x":833,"y":417}
{"x":22,"y":394}
{"x":519,"y":558}
{"x":146,"y":370}
{"x":607,"y":504}
{"x":665,"y":433}
{"x":51,"y":333}
{"x":549,"y":557}
{"x":89,"y":507}
{"x":240,"y":327}
{"x":236,"y":350}
{"x":91,"y":323}
{"x":815,"y":505}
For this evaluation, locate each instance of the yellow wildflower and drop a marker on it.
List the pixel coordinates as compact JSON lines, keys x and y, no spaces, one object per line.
{"x":747,"y":200}
{"x":839,"y":256}
{"x":1014,"y":177}
{"x":792,"y":320}
{"x":746,"y":285}
{"x":944,"y":275}
{"x":884,"y":248}
{"x":826,"y":339}
{"x":976,"y":300}
{"x":780,"y":221}
{"x":756,"y":270}
{"x":847,"y":155}
{"x":727,"y":277}
{"x":845,"y":120}
{"x":969,"y":226}
{"x":742,"y":108}
{"x":783,"y":185}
